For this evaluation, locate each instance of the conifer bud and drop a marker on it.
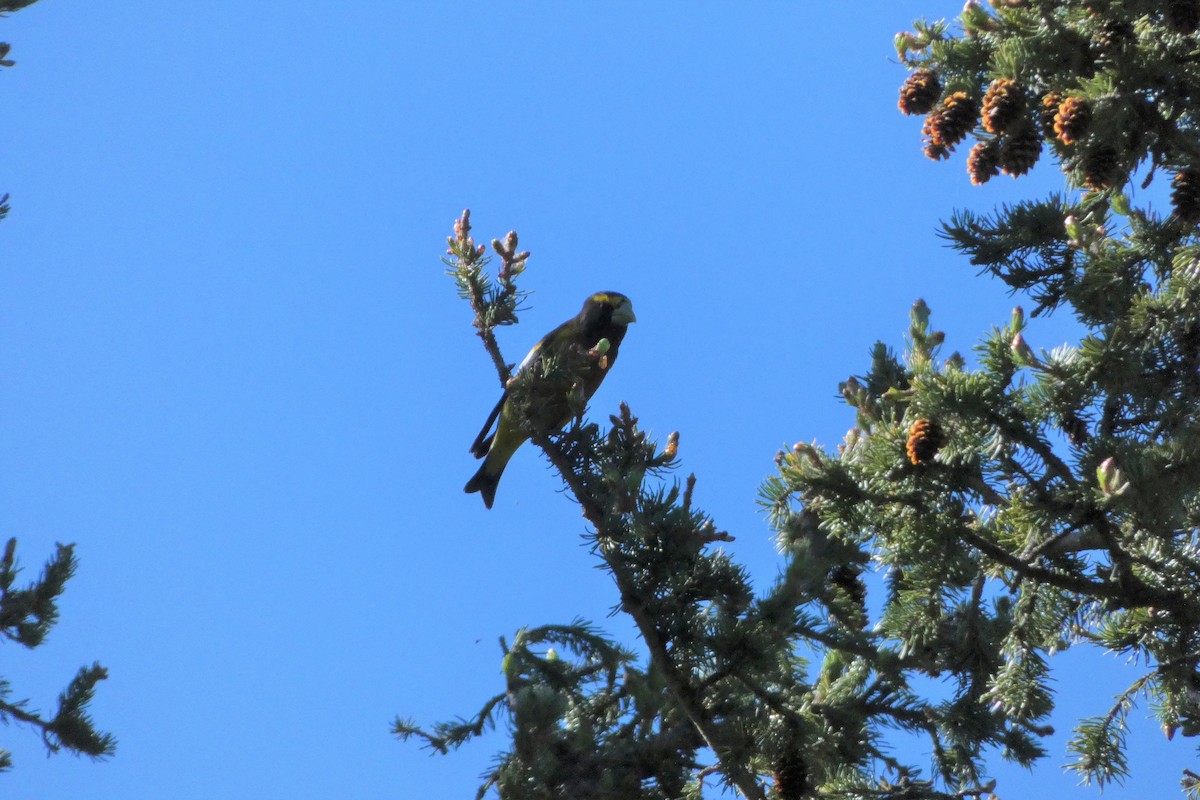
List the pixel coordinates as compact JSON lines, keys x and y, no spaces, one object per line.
{"x":1022,"y":352}
{"x":1071,"y":225}
{"x":1072,"y":120}
{"x":1112,"y":482}
{"x":924,"y":440}
{"x":976,"y":19}
{"x":808,"y":451}
{"x":919,"y":92}
{"x":853,"y":392}
{"x":600,"y":352}
{"x":1003,"y":104}
{"x":904,"y":42}
{"x":919,"y":315}
{"x":672,"y":448}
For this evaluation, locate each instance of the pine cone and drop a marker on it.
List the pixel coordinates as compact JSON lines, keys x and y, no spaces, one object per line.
{"x":920,"y":92}
{"x":1113,"y":36}
{"x":846,"y":578}
{"x":1072,"y":120}
{"x":1047,"y":111}
{"x":1185,"y":196}
{"x":791,"y":778}
{"x":1075,"y":429}
{"x":1020,"y":150}
{"x":1183,"y":16}
{"x":1101,"y":168}
{"x":924,"y":439}
{"x":1003,"y":103}
{"x":950,"y":123}
{"x":983,"y":163}
{"x":934,"y":150}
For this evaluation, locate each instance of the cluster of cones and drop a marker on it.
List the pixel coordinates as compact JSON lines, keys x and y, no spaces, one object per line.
{"x":1018,"y":127}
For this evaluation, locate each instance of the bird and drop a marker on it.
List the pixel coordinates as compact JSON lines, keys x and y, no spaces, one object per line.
{"x":604,"y":316}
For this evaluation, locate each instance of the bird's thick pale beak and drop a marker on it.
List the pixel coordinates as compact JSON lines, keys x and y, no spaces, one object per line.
{"x":623,"y":314}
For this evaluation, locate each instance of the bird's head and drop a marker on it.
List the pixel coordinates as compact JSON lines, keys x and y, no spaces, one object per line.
{"x":606,"y":309}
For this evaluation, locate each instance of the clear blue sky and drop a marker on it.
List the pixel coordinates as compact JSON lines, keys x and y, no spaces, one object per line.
{"x":234,"y":374}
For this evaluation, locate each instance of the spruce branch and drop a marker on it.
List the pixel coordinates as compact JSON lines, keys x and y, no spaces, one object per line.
{"x":26,"y":617}
{"x":493,"y":303}
{"x":633,"y":603}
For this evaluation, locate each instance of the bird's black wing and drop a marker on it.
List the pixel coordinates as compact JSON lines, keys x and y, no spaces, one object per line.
{"x":479,"y":448}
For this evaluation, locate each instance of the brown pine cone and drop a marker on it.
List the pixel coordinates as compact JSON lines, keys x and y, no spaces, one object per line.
{"x":1003,"y":104}
{"x":791,"y":778}
{"x":1113,"y":36}
{"x":1020,"y":150}
{"x":934,"y":149}
{"x":1101,"y":168}
{"x":983,"y":163}
{"x":1047,"y":111}
{"x":1075,"y":429}
{"x":1072,"y":120}
{"x":920,"y":92}
{"x":924,"y":439}
{"x":1185,"y":196}
{"x":847,"y":578}
{"x":950,"y":122}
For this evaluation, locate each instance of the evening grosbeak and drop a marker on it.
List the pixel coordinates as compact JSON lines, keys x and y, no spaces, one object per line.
{"x":547,"y":398}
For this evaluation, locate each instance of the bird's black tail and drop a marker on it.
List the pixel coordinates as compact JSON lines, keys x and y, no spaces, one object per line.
{"x":479,"y":448}
{"x":485,"y":484}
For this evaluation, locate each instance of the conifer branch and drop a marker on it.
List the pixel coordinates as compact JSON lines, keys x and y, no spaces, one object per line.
{"x":493,"y":303}
{"x":26,"y":617}
{"x":633,"y":604}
